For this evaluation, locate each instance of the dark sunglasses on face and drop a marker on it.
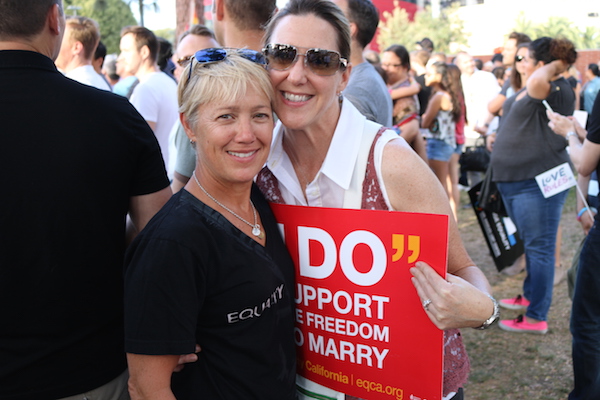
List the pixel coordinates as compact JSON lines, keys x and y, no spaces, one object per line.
{"x":216,"y":54}
{"x":321,"y":62}
{"x":519,"y":58}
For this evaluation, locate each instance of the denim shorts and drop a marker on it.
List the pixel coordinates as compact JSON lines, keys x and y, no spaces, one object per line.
{"x":459,"y":149}
{"x":439,"y":150}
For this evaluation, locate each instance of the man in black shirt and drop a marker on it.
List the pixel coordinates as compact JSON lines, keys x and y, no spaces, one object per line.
{"x":74,"y":162}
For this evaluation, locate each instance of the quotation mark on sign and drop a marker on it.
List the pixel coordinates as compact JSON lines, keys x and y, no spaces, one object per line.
{"x":414,"y":247}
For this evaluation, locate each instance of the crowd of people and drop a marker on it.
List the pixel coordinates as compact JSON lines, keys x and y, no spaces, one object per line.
{"x":138,"y":226}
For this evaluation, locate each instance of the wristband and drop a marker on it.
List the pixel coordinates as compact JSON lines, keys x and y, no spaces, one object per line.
{"x":571,"y":133}
{"x":583,"y":210}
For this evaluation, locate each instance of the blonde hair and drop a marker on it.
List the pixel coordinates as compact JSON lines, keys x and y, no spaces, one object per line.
{"x":86,"y":31}
{"x":221,"y":81}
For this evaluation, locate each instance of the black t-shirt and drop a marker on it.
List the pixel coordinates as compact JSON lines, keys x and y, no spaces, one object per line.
{"x":525,"y":145}
{"x":423,"y":95}
{"x":192,"y":277}
{"x":70,"y":160}
{"x":593,"y":134}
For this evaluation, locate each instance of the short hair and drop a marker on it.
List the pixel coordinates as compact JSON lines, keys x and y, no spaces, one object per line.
{"x":24,"y":18}
{"x":366,"y":17}
{"x":422,"y":56}
{"x":519,"y":37}
{"x":499,"y":72}
{"x":86,"y":31}
{"x":110,"y":65}
{"x":250,"y":15}
{"x":595,"y":69}
{"x":221,"y":81}
{"x":440,"y":55}
{"x":497,"y":57}
{"x":324,"y":9}
{"x":547,"y":49}
{"x":401,"y":52}
{"x":165,"y":52}
{"x":100,"y":51}
{"x":143,"y":37}
{"x":198,"y":30}
{"x":426,"y":44}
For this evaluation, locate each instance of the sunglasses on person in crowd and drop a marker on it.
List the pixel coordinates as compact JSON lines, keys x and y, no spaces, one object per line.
{"x":322,"y":62}
{"x":216,"y":54}
{"x":519,"y":58}
{"x":184,"y":61}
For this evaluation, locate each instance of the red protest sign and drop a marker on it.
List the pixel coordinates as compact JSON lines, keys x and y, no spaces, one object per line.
{"x":360,"y":325}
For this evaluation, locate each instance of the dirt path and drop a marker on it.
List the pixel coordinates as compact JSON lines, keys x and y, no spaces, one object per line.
{"x":520,"y":366}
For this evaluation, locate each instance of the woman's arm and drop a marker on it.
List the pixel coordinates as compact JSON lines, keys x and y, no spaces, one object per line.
{"x":461,"y":299}
{"x":495,"y":105}
{"x":405,"y":91}
{"x":586,"y":219}
{"x":150,"y":376}
{"x":538,"y":84}
{"x":433,"y":107}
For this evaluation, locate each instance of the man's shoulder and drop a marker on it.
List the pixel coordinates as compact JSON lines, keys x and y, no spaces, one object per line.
{"x":158,"y":80}
{"x":156,"y":84}
{"x":366,"y":78}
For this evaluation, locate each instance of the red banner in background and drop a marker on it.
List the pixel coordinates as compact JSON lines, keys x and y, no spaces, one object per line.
{"x":360,"y":325}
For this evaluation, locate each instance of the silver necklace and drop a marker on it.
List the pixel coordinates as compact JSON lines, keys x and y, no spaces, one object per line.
{"x":256,"y":231}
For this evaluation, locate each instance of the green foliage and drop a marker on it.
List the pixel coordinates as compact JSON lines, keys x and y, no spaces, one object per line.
{"x":111,"y":15}
{"x":446,"y":31}
{"x":583,"y":38}
{"x":141,"y":5}
{"x":166,"y":33}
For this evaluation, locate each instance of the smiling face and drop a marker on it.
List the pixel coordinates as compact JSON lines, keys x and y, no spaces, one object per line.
{"x":465,"y":63}
{"x":233,"y":137}
{"x":304,"y":99}
{"x":392,"y":65}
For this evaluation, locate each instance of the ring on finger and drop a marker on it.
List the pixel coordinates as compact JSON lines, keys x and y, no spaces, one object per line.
{"x":426,"y":304}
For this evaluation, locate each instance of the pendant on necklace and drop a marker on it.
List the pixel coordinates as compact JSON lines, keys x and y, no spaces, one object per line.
{"x":256,"y":231}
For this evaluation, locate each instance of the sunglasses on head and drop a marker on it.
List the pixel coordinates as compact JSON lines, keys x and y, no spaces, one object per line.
{"x":321,"y":62}
{"x":519,"y":58}
{"x":216,"y":54}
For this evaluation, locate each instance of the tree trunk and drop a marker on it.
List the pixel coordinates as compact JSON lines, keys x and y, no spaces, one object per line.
{"x":141,"y":8}
{"x":185,"y":10}
{"x":182,"y":11}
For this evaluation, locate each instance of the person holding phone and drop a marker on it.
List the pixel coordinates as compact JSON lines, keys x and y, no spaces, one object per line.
{"x":525,"y":147}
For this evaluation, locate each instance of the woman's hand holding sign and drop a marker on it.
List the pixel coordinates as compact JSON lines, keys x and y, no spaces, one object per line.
{"x":454,"y":302}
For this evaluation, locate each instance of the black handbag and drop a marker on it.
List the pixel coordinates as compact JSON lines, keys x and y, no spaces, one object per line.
{"x":489,"y":198}
{"x":475,"y":158}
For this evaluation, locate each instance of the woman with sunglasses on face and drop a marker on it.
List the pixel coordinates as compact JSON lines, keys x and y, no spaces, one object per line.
{"x":526,"y":147}
{"x":517,"y":82}
{"x":326,"y":154}
{"x":211,"y":267}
